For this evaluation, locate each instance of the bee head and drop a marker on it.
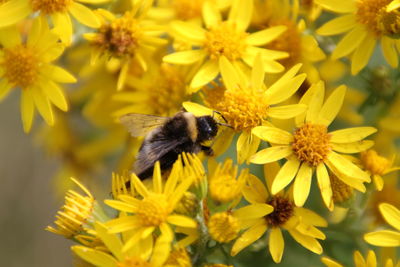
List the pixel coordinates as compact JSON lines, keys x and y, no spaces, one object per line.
{"x":207,"y":128}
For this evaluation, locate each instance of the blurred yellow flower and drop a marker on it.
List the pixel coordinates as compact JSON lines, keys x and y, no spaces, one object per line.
{"x":365,"y":22}
{"x":360,"y":261}
{"x":224,"y":41}
{"x":27,"y":65}
{"x":311,"y":147}
{"x":386,"y":238}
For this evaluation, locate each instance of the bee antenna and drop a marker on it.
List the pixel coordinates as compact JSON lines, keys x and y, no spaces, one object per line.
{"x":224,"y":124}
{"x":219,"y":113}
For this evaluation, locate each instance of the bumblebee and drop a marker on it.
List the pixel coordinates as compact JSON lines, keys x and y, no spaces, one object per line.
{"x":167,"y":137}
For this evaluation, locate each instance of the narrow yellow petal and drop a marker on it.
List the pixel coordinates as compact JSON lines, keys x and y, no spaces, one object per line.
{"x":122,"y":76}
{"x":270,"y":172}
{"x":302,"y":184}
{"x":332,"y":106}
{"x":248,"y":237}
{"x":253,"y":211}
{"x":120,"y":205}
{"x":63,"y":26}
{"x":188,"y":32}
{"x":42,"y":103}
{"x":354,"y":147}
{"x":351,"y":135}
{"x":205,"y":74}
{"x":378,"y":182}
{"x":287,"y":111}
{"x":57,"y":74}
{"x":255,"y":192}
{"x":310,"y":230}
{"x":211,"y":15}
{"x":182,"y":221}
{"x":265,"y":36}
{"x":13,"y":11}
{"x":112,"y":241}
{"x":280,"y":91}
{"x":393,"y":5}
{"x":308,"y":242}
{"x":9,"y":36}
{"x":257,"y":73}
{"x":271,"y":154}
{"x":55,"y":94}
{"x":197,"y":109}
{"x":246,"y":146}
{"x":391,"y":214}
{"x":273,"y":135}
{"x":139,"y":186}
{"x":306,"y":99}
{"x":240,"y":13}
{"x":5,"y":89}
{"x":95,"y":257}
{"x":338,"y":25}
{"x":338,"y":5}
{"x":229,"y":75}
{"x":362,"y":54}
{"x":389,"y":51}
{"x":84,"y":15}
{"x":27,"y":110}
{"x":324,"y":185}
{"x":276,"y":244}
{"x":162,"y":246}
{"x":371,"y":259}
{"x":345,"y":166}
{"x":123,"y":224}
{"x":359,"y":259}
{"x":310,"y":217}
{"x":330,"y":263}
{"x":157,"y":182}
{"x":384,"y":238}
{"x":350,"y":42}
{"x":285,"y":175}
{"x":315,"y":105}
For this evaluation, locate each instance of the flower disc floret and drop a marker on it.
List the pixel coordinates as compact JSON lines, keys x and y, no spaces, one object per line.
{"x":21,"y":65}
{"x":225,"y":40}
{"x":341,"y":192}
{"x":51,"y":6}
{"x":311,"y":143}
{"x":187,"y":9}
{"x":367,"y":13}
{"x":374,"y":163}
{"x":283,"y":211}
{"x":223,"y":227}
{"x":153,"y":211}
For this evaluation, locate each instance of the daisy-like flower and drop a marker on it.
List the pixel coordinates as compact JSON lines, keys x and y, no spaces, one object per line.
{"x":386,"y":238}
{"x":224,"y":40}
{"x":247,"y":103}
{"x":301,"y":223}
{"x":311,"y":148}
{"x":59,"y":11}
{"x":27,"y":65}
{"x":147,"y":254}
{"x":152,"y":209}
{"x":365,"y":22}
{"x":123,"y":40}
{"x":360,"y":261}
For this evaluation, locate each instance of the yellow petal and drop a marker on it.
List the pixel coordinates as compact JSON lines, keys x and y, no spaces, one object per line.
{"x":384,"y":238}
{"x":63,"y":26}
{"x":359,"y":259}
{"x":310,"y":217}
{"x":276,"y":244}
{"x":257,"y":73}
{"x":345,"y":166}
{"x":350,"y":42}
{"x":371,"y":259}
{"x":338,"y":5}
{"x":389,"y":51}
{"x":84,"y":15}
{"x":248,"y":237}
{"x":306,"y":241}
{"x":351,"y":135}
{"x":112,"y":242}
{"x":95,"y":257}
{"x":27,"y":110}
{"x":9,"y":36}
{"x":315,"y":105}
{"x":306,"y":99}
{"x":273,"y":135}
{"x":197,"y":109}
{"x":120,"y":205}
{"x":302,"y":184}
{"x":391,"y":214}
{"x":253,"y":211}
{"x":287,"y":111}
{"x":378,"y":182}
{"x":332,"y":106}
{"x":182,"y":221}
{"x":57,"y":74}
{"x":211,"y":15}
{"x":55,"y":94}
{"x":188,"y":32}
{"x":240,"y":14}
{"x":255,"y":192}
{"x":330,"y":263}
{"x":393,"y":5}
{"x":270,"y":172}
{"x":13,"y":11}
{"x":157,"y":183}
{"x":354,"y":147}
{"x":324,"y":185}
{"x":123,"y":224}
{"x":122,"y":76}
{"x":265,"y":36}
{"x":271,"y":154}
{"x":246,"y":146}
{"x":229,"y":75}
{"x":285,"y":175}
{"x":185,"y":57}
{"x":310,"y":230}
{"x":338,"y":25}
{"x":362,"y":54}
{"x":42,"y":103}
{"x":5,"y":89}
{"x":205,"y":74}
{"x":283,"y":89}
{"x":162,"y":247}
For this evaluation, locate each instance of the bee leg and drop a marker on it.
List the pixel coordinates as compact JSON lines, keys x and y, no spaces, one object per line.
{"x":207,"y":150}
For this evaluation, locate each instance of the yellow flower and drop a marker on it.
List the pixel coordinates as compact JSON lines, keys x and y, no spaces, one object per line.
{"x":123,"y":40}
{"x":27,"y":65}
{"x":145,"y":255}
{"x":299,"y":222}
{"x":386,"y":238}
{"x":59,"y":11}
{"x":152,"y":209}
{"x":365,"y":22}
{"x":247,"y":103}
{"x":377,"y":166}
{"x":179,"y":257}
{"x":311,"y":148}
{"x":224,"y":41}
{"x":360,"y":261}
{"x":223,"y":226}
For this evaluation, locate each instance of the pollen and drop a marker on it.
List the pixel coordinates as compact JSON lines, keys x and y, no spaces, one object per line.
{"x":289,"y":41}
{"x":369,"y":13}
{"x":311,"y":143}
{"x":375,"y":164}
{"x":168,"y":91}
{"x":120,"y":37}
{"x":153,"y":210}
{"x":178,"y":258}
{"x":225,"y":40}
{"x":223,"y":227}
{"x":243,"y":108}
{"x":50,"y":6}
{"x":133,"y":262}
{"x":187,"y":9}
{"x":21,"y":66}
{"x":341,"y":192}
{"x":283,"y":211}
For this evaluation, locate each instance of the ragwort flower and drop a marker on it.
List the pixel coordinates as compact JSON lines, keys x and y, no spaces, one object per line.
{"x":311,"y":148}
{"x":27,"y":65}
{"x":360,"y":261}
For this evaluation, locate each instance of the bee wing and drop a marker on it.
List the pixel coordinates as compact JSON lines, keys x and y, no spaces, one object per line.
{"x":141,"y":124}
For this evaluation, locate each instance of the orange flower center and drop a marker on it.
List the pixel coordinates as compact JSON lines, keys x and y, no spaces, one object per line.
{"x":311,"y":143}
{"x":153,"y":210}
{"x":223,"y":227}
{"x":21,"y":66}
{"x":51,"y":6}
{"x":369,"y":13}
{"x":283,"y":211}
{"x":187,"y":9}
{"x":375,"y":164}
{"x":225,"y":40}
